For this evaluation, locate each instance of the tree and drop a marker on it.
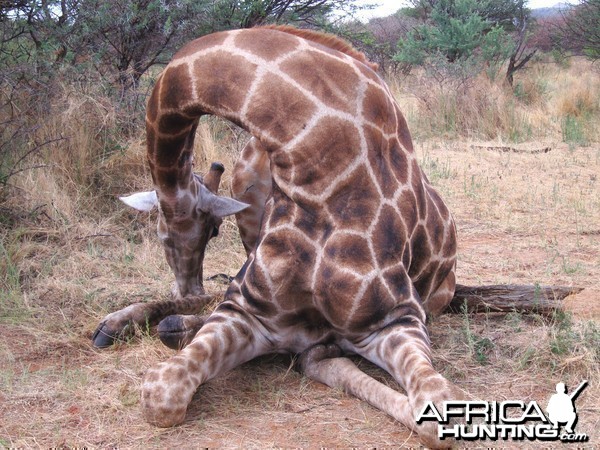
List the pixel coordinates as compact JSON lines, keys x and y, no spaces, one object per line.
{"x":579,"y":32}
{"x":387,"y":33}
{"x":134,"y":35}
{"x":127,"y":37}
{"x":33,"y":30}
{"x":122,"y":39}
{"x":543,"y":31}
{"x":228,"y":14}
{"x":521,"y":53}
{"x":474,"y":34}
{"x":457,"y":32}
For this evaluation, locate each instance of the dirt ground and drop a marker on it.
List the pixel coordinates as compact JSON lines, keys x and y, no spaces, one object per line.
{"x":523,"y":216}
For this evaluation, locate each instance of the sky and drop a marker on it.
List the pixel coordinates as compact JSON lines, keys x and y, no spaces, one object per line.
{"x":388,"y":7}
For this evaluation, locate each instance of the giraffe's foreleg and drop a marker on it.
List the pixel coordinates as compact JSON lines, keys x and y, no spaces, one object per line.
{"x":404,"y":351}
{"x":324,"y":363}
{"x":229,"y":338}
{"x":121,"y":324}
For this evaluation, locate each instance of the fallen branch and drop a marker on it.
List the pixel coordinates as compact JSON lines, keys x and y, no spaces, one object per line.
{"x":510,"y":297}
{"x":506,"y":149}
{"x":91,"y":236}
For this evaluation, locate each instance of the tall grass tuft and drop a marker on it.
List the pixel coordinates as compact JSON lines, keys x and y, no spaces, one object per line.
{"x":12,"y":307}
{"x":547,"y":101}
{"x":479,"y":109}
{"x":576,"y":102}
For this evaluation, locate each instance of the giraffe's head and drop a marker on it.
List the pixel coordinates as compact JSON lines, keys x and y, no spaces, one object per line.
{"x":186,"y":222}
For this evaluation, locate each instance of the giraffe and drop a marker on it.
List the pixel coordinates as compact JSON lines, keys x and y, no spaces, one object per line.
{"x":355,"y":246}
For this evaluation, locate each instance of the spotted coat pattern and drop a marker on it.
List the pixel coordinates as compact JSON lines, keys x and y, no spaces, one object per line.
{"x":355,"y":246}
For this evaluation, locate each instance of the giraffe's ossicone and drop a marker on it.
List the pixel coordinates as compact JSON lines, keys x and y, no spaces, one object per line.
{"x":354,"y":248}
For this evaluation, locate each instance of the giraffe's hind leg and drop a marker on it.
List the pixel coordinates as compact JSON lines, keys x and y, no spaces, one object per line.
{"x":324,"y":363}
{"x":229,"y":338}
{"x":403,"y":350}
{"x":439,"y":300}
{"x":121,"y":324}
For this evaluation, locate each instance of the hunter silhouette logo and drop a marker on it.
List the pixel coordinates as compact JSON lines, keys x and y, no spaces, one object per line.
{"x":561,"y":407}
{"x":510,"y":419}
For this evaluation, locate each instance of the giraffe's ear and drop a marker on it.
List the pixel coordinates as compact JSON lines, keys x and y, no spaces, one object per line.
{"x":225,"y":206}
{"x":216,"y":205}
{"x":142,"y":201}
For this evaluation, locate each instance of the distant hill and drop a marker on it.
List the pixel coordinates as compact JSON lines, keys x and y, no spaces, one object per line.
{"x":540,"y":13}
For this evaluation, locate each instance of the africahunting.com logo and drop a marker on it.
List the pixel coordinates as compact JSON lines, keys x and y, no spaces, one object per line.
{"x":511,"y":419}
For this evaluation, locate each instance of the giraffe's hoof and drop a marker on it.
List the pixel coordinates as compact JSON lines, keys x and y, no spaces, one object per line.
{"x":105,"y":335}
{"x":120,"y":325}
{"x":173,"y":333}
{"x":177,"y":331}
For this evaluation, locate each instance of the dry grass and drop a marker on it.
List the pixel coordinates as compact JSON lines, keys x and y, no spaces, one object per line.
{"x":70,"y":253}
{"x":546,"y":100}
